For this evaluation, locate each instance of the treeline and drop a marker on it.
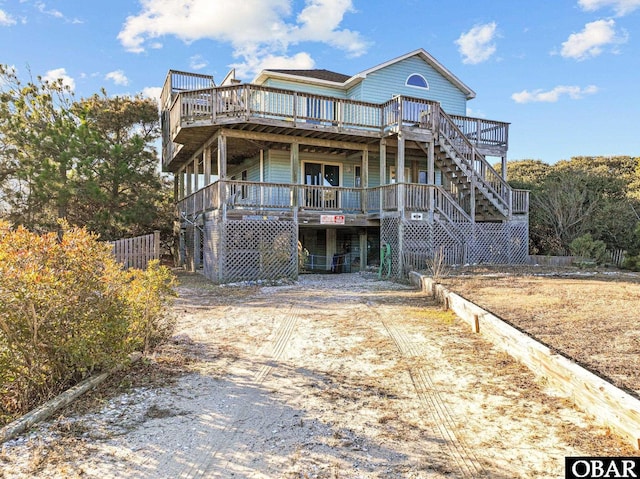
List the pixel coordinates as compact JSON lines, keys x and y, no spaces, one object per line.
{"x":581,"y":200}
{"x":90,"y":161}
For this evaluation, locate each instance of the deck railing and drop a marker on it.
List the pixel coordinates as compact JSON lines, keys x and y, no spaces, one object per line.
{"x":480,"y":131}
{"x":193,"y":98}
{"x":330,"y":198}
{"x":520,"y":201}
{"x":256,"y":101}
{"x":245,"y":195}
{"x":205,"y":199}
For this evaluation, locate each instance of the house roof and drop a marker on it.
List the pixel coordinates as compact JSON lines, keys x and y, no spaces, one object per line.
{"x":326,"y":75}
{"x":346,"y":81}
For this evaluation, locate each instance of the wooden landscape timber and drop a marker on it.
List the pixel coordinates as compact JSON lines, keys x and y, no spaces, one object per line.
{"x":609,"y":405}
{"x":45,"y":411}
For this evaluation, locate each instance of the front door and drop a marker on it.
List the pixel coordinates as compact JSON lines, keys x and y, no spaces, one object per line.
{"x":324,"y":177}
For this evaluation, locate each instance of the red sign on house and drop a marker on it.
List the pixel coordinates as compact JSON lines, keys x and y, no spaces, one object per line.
{"x":331,"y":219}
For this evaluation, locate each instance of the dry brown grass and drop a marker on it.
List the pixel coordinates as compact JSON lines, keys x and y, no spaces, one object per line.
{"x":590,"y":316}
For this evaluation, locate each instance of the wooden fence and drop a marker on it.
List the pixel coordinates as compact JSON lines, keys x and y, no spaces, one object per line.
{"x":615,"y":258}
{"x":137,"y":252}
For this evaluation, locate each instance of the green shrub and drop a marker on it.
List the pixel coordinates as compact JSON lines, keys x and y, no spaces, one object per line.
{"x":632,"y":263}
{"x":586,"y":247}
{"x":68,"y":309}
{"x":148,"y":295}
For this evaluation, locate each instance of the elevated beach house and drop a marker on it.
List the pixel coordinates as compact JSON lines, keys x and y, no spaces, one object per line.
{"x":312,"y":170}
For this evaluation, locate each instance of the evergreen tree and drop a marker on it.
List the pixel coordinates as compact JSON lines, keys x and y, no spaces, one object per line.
{"x":90,"y":161}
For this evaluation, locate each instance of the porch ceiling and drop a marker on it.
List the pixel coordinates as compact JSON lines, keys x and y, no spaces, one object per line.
{"x":262,"y":134}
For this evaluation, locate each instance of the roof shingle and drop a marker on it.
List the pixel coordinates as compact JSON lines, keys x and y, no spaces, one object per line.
{"x":317,"y":74}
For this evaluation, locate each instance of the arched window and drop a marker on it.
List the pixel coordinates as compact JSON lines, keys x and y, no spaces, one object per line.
{"x":418,"y":81}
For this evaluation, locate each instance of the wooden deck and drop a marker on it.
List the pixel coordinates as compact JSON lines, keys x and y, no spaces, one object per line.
{"x":245,"y":197}
{"x":196,"y":114}
{"x":193,"y":114}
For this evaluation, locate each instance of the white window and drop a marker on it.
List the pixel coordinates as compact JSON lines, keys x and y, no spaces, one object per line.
{"x":418,"y":81}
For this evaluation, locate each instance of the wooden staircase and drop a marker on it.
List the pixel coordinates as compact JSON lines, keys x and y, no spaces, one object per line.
{"x":474,"y":184}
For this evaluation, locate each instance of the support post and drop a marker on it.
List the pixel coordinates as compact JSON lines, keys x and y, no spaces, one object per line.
{"x":431,"y":175}
{"x":383,"y":172}
{"x":400,"y":173}
{"x":400,"y":191}
{"x":472,"y":202}
{"x":222,"y":157}
{"x":295,"y":173}
{"x":364,"y":180}
{"x":196,"y":173}
{"x":181,"y":183}
{"x":189,"y":175}
{"x":222,"y":174}
{"x":363,"y":250}
{"x":206,"y":159}
{"x":504,"y":167}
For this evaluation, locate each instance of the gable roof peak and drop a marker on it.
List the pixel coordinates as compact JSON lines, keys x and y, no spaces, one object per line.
{"x":428,"y":58}
{"x":322,"y":76}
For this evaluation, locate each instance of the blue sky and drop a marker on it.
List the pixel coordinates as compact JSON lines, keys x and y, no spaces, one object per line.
{"x":564,"y":73}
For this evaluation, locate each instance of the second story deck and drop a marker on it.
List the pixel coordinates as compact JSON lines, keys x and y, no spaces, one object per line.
{"x":241,"y":198}
{"x":193,"y":109}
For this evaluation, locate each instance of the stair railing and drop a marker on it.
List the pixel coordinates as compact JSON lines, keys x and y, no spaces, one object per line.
{"x":487,"y":178}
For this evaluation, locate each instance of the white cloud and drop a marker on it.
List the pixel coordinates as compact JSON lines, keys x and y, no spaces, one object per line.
{"x":475,"y":113}
{"x":477,"y":45}
{"x":591,"y":41}
{"x":42,"y":8}
{"x":153,"y":92}
{"x":197,"y":62}
{"x":252,"y":27}
{"x":53,"y":76}
{"x":261,"y":61}
{"x":6,"y":20}
{"x":621,"y":7}
{"x":118,"y":77}
{"x":320,"y":21}
{"x":552,"y":96}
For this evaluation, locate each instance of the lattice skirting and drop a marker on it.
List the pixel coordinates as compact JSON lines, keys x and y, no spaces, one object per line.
{"x":249,"y":250}
{"x":240,"y":250}
{"x":413,"y":242}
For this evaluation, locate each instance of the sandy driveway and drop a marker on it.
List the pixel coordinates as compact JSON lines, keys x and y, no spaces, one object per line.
{"x":340,"y":376}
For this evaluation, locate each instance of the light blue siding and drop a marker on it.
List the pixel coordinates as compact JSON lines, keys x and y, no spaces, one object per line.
{"x":374,"y":170}
{"x":277,"y":167}
{"x":252,"y":165}
{"x":253,"y":171}
{"x":355,"y":92}
{"x":381,"y":85}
